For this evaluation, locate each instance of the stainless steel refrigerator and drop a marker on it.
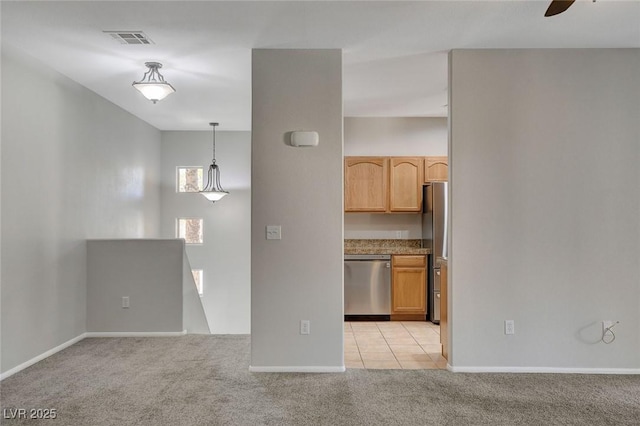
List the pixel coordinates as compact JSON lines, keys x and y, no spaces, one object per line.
{"x":434,"y":236}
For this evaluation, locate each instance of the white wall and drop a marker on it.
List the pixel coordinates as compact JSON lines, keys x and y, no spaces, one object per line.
{"x":2,"y":370}
{"x":225,"y":255}
{"x":395,"y":136}
{"x":194,"y":319}
{"x":545,"y":186}
{"x":149,"y":272}
{"x":300,"y":276}
{"x":391,"y":136}
{"x":74,"y":166}
{"x":382,"y":226}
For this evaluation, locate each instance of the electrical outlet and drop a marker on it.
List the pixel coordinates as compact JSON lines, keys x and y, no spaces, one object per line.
{"x":274,"y":232}
{"x":305,"y":327}
{"x":509,"y":327}
{"x":125,"y":301}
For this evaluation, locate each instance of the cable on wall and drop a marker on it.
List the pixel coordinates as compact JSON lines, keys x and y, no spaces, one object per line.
{"x":608,"y":336}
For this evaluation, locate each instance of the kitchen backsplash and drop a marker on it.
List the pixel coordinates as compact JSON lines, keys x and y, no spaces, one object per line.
{"x":363,"y":243}
{"x":389,"y":246}
{"x":382,"y":226}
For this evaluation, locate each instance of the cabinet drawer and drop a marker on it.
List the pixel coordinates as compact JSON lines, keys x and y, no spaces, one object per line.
{"x":410,"y":260}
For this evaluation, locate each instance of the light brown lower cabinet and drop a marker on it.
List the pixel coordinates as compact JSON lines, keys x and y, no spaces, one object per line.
{"x":408,"y":287}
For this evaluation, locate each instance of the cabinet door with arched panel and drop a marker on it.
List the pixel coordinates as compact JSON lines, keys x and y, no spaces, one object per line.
{"x":405,"y":181}
{"x":436,"y":169}
{"x":366,"y":184}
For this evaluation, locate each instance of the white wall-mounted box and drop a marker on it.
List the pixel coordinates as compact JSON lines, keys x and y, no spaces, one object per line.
{"x":301,"y":138}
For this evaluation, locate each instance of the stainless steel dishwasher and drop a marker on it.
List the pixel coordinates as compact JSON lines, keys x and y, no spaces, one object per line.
{"x":367,"y":284}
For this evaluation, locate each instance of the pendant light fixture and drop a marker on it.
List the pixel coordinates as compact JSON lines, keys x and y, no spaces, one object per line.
{"x":153,"y":86}
{"x":213,"y":191}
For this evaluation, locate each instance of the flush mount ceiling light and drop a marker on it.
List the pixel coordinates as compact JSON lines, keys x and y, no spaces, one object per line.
{"x":152,"y":85}
{"x":213,"y":191}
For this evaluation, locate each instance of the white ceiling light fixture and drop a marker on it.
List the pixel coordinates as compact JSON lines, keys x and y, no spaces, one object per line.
{"x":153,"y":86}
{"x":213,"y":191}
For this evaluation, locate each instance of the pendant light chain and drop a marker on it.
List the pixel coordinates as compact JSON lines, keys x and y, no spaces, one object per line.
{"x":214,"y":141}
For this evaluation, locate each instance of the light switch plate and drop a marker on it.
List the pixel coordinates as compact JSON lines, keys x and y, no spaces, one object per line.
{"x":509,"y":327}
{"x":274,"y":232}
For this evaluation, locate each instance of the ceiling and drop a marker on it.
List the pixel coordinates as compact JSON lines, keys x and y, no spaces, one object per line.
{"x":394,"y":53}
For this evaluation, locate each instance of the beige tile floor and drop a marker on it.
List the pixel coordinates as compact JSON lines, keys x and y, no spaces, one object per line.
{"x":393,"y":345}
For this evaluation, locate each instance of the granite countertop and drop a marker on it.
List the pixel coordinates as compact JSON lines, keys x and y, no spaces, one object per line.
{"x":384,"y":247}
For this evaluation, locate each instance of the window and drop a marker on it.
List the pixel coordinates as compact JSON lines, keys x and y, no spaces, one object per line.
{"x":190,"y":229}
{"x":190,"y":179}
{"x":198,"y":277}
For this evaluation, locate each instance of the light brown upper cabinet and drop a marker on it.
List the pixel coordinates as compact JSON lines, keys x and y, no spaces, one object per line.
{"x":366,"y":184}
{"x":405,"y":182}
{"x":382,"y":184}
{"x":436,"y":169}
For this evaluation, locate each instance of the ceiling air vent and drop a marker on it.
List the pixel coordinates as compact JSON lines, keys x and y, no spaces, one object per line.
{"x":130,"y":37}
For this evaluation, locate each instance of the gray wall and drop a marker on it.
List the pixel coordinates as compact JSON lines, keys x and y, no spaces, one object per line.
{"x":225,"y":255}
{"x":300,"y":276}
{"x":149,"y":272}
{"x":545,"y":147}
{"x":382,"y":226}
{"x":391,"y":136}
{"x":74,"y":166}
{"x":399,"y":136}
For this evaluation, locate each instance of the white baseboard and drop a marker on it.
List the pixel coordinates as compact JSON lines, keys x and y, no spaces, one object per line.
{"x":135,"y":333}
{"x":552,"y":370}
{"x":42,"y":356}
{"x":296,"y":369}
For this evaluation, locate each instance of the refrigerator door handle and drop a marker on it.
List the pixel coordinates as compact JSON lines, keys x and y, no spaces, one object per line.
{"x":445,"y":236}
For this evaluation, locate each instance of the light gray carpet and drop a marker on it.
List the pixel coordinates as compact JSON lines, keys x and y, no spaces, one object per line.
{"x":204,"y":380}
